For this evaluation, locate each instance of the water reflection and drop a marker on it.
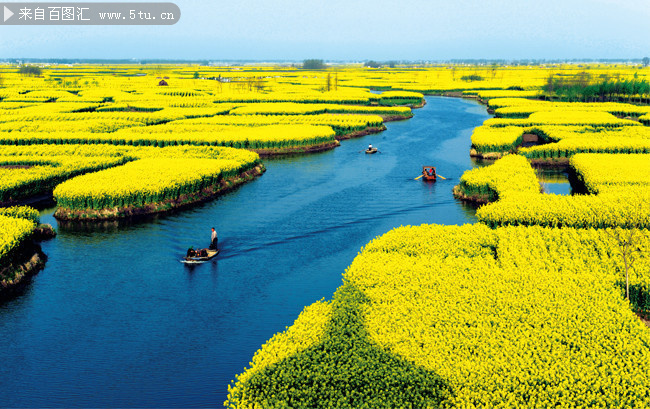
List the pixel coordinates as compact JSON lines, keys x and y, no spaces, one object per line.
{"x":554,"y":180}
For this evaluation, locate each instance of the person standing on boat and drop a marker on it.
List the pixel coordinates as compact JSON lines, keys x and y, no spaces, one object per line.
{"x":215,"y":240}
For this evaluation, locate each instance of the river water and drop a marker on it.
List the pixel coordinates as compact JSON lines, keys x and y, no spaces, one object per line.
{"x":116,"y":320}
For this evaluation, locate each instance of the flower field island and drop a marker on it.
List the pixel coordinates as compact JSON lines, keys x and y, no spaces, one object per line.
{"x":479,"y":290}
{"x":509,"y":174}
{"x":617,"y":184}
{"x":560,"y":130}
{"x":20,"y":256}
{"x":154,"y":180}
{"x":150,"y":186}
{"x":511,"y":317}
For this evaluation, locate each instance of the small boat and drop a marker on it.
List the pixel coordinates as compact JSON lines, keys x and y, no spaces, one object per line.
{"x":371,"y":151}
{"x":200,"y":259}
{"x":429,"y":173}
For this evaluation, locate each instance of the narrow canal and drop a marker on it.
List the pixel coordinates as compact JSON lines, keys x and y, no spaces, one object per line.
{"x":116,"y":320}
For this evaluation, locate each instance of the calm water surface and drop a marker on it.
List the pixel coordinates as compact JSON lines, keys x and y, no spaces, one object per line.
{"x":116,"y":320}
{"x":555,"y":180}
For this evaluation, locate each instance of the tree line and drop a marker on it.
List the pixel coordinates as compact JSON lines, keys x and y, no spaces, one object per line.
{"x":583,"y":87}
{"x":317,"y":64}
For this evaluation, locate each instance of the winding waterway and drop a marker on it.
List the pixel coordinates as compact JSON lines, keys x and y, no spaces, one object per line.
{"x":116,"y":320}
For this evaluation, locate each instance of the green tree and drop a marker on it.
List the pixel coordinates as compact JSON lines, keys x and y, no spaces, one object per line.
{"x":644,"y":90}
{"x":646,"y":61}
{"x":470,"y":78}
{"x":196,"y":75}
{"x":313,"y":64}
{"x":255,"y":84}
{"x":549,"y":87}
{"x":30,"y":70}
{"x":493,"y":69}
{"x":630,"y":248}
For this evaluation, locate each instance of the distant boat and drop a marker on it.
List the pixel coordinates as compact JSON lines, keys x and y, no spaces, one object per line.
{"x":429,"y":173}
{"x":371,"y":151}
{"x":200,"y":259}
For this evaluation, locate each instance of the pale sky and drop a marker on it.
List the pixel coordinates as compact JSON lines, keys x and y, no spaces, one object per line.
{"x":358,"y":30}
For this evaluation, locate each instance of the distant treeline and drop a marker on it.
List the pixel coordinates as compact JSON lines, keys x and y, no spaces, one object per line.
{"x":474,"y":61}
{"x":101,"y":61}
{"x":582,"y":87}
{"x":313,"y":64}
{"x":467,"y":61}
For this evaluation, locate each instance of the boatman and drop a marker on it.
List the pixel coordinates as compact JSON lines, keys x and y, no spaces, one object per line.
{"x":370,"y":147}
{"x":213,"y":244}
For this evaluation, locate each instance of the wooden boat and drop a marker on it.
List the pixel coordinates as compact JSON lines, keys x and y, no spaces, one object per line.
{"x":371,"y":151}
{"x":200,"y":259}
{"x":429,"y":173}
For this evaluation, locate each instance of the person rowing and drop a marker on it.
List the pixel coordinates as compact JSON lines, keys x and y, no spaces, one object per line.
{"x":214,"y":240}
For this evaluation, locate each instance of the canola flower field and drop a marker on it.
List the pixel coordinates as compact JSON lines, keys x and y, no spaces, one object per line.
{"x":563,"y":128}
{"x":17,"y":224}
{"x":522,"y":309}
{"x":13,"y":231}
{"x":260,"y":138}
{"x":42,"y":173}
{"x":511,"y":317}
{"x":607,"y":172}
{"x":564,"y":142}
{"x":625,"y":203}
{"x":489,"y":317}
{"x":144,"y":182}
{"x":169,"y":107}
{"x":509,"y":174}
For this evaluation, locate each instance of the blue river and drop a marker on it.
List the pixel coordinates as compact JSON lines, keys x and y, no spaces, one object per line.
{"x":115,"y":320}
